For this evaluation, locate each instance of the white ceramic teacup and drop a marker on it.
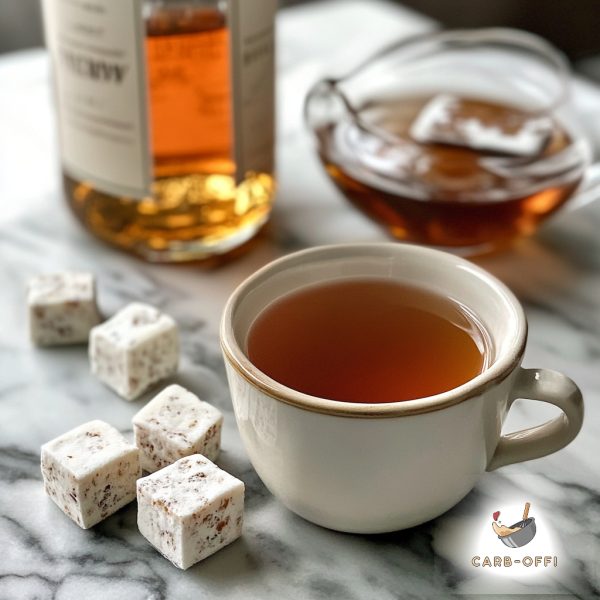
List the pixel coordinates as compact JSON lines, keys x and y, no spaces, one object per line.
{"x":372,"y":468}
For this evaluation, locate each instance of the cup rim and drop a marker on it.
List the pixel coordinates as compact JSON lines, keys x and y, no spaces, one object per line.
{"x":237,"y":359}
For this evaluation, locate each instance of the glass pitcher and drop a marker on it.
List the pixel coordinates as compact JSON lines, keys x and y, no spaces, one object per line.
{"x":460,"y":138}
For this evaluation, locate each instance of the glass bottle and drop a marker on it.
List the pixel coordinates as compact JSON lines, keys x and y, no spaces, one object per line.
{"x":195,"y":126}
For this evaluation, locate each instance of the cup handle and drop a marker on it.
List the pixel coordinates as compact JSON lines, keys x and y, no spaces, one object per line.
{"x":545,"y":386}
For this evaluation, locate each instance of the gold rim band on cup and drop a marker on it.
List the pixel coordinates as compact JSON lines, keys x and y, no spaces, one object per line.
{"x":364,"y":410}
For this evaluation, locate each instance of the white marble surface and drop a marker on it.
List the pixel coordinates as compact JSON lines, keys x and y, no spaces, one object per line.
{"x":45,"y":392}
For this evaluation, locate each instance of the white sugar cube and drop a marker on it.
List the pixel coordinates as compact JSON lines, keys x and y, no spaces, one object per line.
{"x":90,"y":472}
{"x":174,"y":424}
{"x":134,"y":349}
{"x":466,"y":123}
{"x":190,"y":509}
{"x":62,"y":308}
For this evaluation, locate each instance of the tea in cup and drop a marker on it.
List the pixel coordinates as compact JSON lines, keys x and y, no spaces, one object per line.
{"x":368,"y":340}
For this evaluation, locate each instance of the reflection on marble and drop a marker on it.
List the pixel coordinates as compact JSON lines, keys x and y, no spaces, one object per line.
{"x":44,"y":392}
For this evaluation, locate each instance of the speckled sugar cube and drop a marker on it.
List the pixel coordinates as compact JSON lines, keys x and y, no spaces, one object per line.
{"x":90,"y":472}
{"x":174,"y":424}
{"x":62,"y":308}
{"x":190,"y":509}
{"x":136,"y":348}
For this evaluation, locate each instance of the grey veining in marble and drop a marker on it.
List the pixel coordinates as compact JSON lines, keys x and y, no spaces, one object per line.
{"x":45,"y":392}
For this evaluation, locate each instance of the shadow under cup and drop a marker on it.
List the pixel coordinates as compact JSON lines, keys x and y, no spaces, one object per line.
{"x":375,"y":467}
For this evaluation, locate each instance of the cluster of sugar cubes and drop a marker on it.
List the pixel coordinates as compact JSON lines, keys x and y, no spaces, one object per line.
{"x":130,"y":352}
{"x":188,"y":508}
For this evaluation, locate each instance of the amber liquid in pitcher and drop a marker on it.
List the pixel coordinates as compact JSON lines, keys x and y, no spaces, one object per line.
{"x":436,"y":193}
{"x":368,"y":340}
{"x":195,"y":202}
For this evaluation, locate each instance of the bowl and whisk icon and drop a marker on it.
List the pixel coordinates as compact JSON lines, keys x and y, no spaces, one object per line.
{"x":519,"y":533}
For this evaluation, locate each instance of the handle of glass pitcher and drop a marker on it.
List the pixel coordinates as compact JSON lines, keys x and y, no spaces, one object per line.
{"x":589,"y":190}
{"x":325,"y":103}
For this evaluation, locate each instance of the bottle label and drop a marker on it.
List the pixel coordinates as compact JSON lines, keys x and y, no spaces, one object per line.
{"x":100,"y":87}
{"x":190,"y":94}
{"x":100,"y":56}
{"x":252,"y":29}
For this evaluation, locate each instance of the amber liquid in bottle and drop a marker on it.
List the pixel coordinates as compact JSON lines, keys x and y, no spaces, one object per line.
{"x":440,"y":194}
{"x":196,"y":209}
